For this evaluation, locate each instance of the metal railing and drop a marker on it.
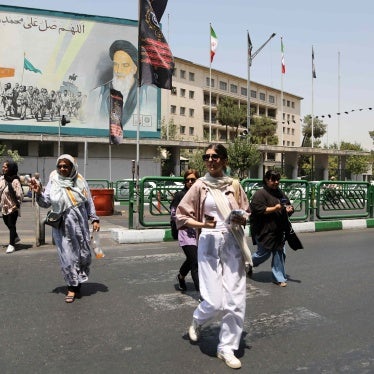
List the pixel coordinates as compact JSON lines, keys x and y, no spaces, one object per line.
{"x":323,"y":200}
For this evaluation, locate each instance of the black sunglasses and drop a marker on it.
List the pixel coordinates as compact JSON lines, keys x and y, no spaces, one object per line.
{"x":63,"y":167}
{"x":192,"y":180}
{"x":214,"y":157}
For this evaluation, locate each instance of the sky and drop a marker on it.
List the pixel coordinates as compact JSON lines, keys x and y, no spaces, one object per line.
{"x":341,"y":33}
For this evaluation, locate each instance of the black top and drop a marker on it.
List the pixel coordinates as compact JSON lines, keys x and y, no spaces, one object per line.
{"x":268,"y":229}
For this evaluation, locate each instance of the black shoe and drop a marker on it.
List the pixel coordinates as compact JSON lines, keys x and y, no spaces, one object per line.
{"x":181,"y":283}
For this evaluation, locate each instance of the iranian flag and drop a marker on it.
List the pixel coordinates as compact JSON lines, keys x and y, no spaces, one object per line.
{"x":283,"y":63}
{"x":213,"y":43}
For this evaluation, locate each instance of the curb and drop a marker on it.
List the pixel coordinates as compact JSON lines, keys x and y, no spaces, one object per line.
{"x":126,"y":236}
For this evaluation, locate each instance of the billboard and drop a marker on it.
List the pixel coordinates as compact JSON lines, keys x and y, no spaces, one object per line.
{"x":57,"y":65}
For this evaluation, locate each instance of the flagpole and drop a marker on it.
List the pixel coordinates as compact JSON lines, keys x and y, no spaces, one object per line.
{"x":312,"y":134}
{"x":23,"y":70}
{"x":249,"y":63}
{"x":282,"y":107}
{"x":210,"y":86}
{"x":138,"y":124}
{"x":339,"y":99}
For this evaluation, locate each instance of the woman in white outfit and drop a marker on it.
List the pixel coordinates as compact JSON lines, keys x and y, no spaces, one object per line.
{"x":222,"y":251}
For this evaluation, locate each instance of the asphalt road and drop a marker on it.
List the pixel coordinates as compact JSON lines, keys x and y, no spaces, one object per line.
{"x":131,"y":318}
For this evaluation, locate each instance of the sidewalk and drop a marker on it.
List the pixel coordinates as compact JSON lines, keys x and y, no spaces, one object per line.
{"x":114,"y":229}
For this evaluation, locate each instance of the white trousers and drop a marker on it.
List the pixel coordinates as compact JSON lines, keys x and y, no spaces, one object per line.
{"x":222,"y":286}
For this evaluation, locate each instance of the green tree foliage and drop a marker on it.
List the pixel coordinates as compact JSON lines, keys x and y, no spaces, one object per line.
{"x":319,"y":129}
{"x":371,"y":133}
{"x":242,"y":156}
{"x":8,"y":153}
{"x":196,"y":161}
{"x":229,"y":113}
{"x":355,"y":164}
{"x":168,"y":130}
{"x":263,"y":130}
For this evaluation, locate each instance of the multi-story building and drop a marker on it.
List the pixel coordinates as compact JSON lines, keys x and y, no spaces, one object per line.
{"x":191,"y":106}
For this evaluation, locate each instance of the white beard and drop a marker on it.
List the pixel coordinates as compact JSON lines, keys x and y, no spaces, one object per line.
{"x":123,"y":85}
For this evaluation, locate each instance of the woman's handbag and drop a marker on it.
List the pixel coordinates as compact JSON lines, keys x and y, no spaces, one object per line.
{"x":292,"y":239}
{"x":54,"y":219}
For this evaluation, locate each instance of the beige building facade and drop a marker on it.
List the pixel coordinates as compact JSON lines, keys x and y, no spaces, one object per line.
{"x":190,"y":108}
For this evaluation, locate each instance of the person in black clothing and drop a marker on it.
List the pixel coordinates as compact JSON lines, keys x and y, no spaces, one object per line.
{"x":186,"y":237}
{"x":270,"y":209}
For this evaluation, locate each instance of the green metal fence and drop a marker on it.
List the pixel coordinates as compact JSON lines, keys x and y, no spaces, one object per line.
{"x":323,"y":200}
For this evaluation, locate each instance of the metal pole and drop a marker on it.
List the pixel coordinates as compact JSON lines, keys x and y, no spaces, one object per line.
{"x":250,"y":59}
{"x":59,"y":136}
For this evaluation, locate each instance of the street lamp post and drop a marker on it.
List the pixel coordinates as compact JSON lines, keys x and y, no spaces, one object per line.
{"x":251,"y":56}
{"x":64,"y":121}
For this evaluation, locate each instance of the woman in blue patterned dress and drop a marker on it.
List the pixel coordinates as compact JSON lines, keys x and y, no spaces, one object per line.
{"x":67,"y":192}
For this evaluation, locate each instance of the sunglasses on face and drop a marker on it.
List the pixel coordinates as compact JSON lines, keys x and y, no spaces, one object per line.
{"x":274,"y":179}
{"x":213,"y":156}
{"x":66,"y":167}
{"x":192,"y":180}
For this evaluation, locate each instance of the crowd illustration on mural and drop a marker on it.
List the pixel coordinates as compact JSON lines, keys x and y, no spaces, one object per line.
{"x":22,"y":102}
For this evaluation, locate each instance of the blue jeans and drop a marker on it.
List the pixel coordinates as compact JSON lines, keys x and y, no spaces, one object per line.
{"x":277,"y":262}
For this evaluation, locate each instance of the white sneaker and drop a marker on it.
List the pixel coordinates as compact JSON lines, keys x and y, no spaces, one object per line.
{"x":10,"y":249}
{"x":17,"y":240}
{"x":194,"y":331}
{"x":230,"y":360}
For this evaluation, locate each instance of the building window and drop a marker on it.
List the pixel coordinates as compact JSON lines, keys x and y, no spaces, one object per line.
{"x":211,"y":82}
{"x":191,"y":130}
{"x":174,"y":90}
{"x":173,"y":109}
{"x":223,"y":86}
{"x":191,"y":77}
{"x":288,"y":103}
{"x":174,"y":72}
{"x":70,"y":149}
{"x":243,"y":91}
{"x":253,"y":94}
{"x":21,"y":147}
{"x":191,"y":94}
{"x":183,"y":130}
{"x":45,"y":149}
{"x":233,"y":88}
{"x":182,"y":74}
{"x":262,"y":96}
{"x":183,"y":92}
{"x":182,"y":111}
{"x":293,"y":104}
{"x":192,"y":112}
{"x":271,"y":99}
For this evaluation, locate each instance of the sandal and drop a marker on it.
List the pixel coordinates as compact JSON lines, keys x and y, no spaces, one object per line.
{"x":70,"y":298}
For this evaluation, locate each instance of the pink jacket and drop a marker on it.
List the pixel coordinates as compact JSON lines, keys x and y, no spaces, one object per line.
{"x":192,"y":204}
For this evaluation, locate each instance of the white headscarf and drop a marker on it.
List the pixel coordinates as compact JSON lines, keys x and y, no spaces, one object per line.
{"x":67,"y":191}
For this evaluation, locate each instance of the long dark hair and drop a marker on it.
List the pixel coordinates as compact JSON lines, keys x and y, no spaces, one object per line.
{"x":10,"y":176}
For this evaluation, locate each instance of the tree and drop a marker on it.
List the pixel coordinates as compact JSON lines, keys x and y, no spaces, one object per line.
{"x":371,"y":133}
{"x":196,"y":161}
{"x":319,"y":129}
{"x":263,"y":130}
{"x":355,"y":164}
{"x":242,"y":156}
{"x":230,"y":114}
{"x":168,"y":130}
{"x":8,"y":153}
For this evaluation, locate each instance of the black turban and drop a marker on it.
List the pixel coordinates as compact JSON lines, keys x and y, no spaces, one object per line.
{"x":126,"y":46}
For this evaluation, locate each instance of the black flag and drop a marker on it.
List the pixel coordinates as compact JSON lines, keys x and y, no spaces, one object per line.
{"x":156,"y":60}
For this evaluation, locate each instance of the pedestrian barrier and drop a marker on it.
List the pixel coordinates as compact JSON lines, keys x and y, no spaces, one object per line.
{"x":323,"y":200}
